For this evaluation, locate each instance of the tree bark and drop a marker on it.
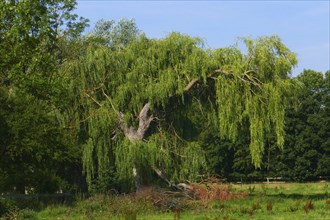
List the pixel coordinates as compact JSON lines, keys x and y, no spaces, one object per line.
{"x":138,"y":134}
{"x":144,"y":122}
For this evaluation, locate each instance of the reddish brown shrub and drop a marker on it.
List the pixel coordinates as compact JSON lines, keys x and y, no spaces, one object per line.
{"x":191,"y":195}
{"x":212,"y":192}
{"x":309,"y":205}
{"x":269,"y":206}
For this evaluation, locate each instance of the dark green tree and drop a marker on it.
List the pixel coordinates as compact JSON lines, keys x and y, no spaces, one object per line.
{"x":35,"y":152}
{"x":35,"y":149}
{"x":323,"y":162}
{"x":306,"y":154}
{"x":29,"y":35}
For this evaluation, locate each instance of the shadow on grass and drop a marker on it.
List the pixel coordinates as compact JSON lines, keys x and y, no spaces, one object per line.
{"x":34,"y":202}
{"x":319,"y":196}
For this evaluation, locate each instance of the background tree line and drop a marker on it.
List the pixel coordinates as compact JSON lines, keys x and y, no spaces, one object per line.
{"x":57,"y":84}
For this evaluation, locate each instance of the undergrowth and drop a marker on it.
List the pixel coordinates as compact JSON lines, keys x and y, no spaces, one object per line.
{"x":210,"y":200}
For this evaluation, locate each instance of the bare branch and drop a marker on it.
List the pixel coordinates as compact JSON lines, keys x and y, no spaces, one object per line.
{"x":95,"y":88}
{"x":89,"y":96}
{"x":253,"y":80}
{"x":109,"y":99}
{"x":194,"y":81}
{"x":190,"y":84}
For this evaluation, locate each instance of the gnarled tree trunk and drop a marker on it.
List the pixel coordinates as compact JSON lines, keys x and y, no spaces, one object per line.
{"x":138,"y":134}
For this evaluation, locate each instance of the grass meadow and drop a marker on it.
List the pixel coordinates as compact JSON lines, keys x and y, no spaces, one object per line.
{"x":254,"y":201}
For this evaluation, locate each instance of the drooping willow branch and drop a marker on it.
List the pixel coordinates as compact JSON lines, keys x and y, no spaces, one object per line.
{"x":149,"y":74}
{"x":138,"y":134}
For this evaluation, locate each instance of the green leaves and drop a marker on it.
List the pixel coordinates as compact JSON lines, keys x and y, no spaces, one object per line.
{"x":250,"y":90}
{"x":115,"y":35}
{"x":308,"y":128}
{"x":98,"y":85}
{"x":29,"y":35}
{"x":32,"y":34}
{"x":255,"y":89}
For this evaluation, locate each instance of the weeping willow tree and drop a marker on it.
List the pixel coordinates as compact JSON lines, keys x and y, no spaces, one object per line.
{"x":127,"y":99}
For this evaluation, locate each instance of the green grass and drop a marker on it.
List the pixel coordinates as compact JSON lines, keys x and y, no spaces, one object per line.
{"x":264,"y":201}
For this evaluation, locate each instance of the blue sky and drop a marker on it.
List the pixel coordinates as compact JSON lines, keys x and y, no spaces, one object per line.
{"x":302,"y":25}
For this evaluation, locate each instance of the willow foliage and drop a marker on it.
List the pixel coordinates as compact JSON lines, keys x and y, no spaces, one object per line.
{"x":258,"y":92}
{"x":251,"y":90}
